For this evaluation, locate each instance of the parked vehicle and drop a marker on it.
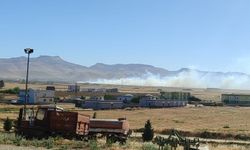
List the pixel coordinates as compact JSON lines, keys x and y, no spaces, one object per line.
{"x":114,"y":129}
{"x":48,"y":121}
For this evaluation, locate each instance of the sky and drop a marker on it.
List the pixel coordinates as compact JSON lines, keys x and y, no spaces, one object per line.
{"x":209,"y":35}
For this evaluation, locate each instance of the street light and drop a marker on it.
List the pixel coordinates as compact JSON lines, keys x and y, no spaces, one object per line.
{"x":27,"y":51}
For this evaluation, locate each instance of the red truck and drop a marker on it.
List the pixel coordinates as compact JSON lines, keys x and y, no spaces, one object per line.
{"x":51,"y":120}
{"x":114,"y":129}
{"x":54,"y":121}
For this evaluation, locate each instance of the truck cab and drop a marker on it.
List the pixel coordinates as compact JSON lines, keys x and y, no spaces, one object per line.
{"x":51,"y":120}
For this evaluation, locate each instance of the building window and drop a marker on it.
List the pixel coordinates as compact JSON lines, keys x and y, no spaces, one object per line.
{"x":44,"y":100}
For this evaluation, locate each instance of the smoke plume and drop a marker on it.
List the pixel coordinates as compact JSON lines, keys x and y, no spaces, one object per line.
{"x":188,"y":79}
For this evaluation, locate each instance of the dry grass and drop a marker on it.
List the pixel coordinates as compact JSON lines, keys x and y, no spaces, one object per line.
{"x":186,"y":119}
{"x":218,"y":119}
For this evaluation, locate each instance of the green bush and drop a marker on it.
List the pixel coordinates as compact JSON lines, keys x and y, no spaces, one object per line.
{"x":148,"y":132}
{"x":93,"y":145}
{"x":7,"y":125}
{"x":11,"y":91}
{"x":109,"y":97}
{"x":135,"y":100}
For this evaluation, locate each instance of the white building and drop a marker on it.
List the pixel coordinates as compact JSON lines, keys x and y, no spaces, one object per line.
{"x":37,"y":96}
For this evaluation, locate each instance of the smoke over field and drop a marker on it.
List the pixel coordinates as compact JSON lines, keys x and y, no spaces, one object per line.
{"x":190,"y":79}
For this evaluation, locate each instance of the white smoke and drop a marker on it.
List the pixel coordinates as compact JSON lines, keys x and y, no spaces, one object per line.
{"x":189,"y":79}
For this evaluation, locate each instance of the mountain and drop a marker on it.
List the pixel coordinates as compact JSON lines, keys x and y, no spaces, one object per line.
{"x":54,"y":68}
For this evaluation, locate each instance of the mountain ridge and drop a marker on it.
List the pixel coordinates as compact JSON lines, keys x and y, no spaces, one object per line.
{"x":54,"y":68}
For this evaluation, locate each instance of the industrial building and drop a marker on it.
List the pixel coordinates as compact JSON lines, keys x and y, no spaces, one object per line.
{"x":37,"y":96}
{"x":236,"y":99}
{"x":176,"y":96}
{"x":125,"y":98}
{"x":161,"y":103}
{"x":98,"y":102}
{"x":167,"y":99}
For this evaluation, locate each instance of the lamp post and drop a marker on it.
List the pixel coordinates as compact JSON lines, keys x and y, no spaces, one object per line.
{"x":27,"y":51}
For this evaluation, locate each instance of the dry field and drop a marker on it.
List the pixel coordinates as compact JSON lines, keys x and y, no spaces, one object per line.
{"x":187,"y":119}
{"x":218,"y":119}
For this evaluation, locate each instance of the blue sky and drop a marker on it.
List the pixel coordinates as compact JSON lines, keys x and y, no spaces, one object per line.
{"x":209,"y":35}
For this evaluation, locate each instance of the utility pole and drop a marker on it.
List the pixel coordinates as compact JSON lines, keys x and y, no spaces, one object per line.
{"x":27,"y":51}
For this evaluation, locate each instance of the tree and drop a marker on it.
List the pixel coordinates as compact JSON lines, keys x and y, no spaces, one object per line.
{"x":148,"y":132}
{"x":135,"y":100}
{"x":94,"y":115}
{"x":7,"y":125}
{"x":109,"y":97}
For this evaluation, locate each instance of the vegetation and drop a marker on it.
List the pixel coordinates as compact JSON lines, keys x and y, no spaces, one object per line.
{"x":94,"y":115}
{"x":136,"y":100}
{"x":148,"y":133}
{"x":149,"y":146}
{"x":109,"y":97}
{"x":7,"y":124}
{"x":11,"y":91}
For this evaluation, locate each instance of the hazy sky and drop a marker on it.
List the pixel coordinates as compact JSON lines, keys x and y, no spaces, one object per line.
{"x":204,"y":34}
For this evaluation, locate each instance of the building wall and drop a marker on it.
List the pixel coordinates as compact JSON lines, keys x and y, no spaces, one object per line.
{"x":180,"y":96}
{"x":37,"y":96}
{"x":95,"y":104}
{"x":236,"y":99}
{"x":125,"y":99}
{"x":73,"y":88}
{"x":161,"y":103}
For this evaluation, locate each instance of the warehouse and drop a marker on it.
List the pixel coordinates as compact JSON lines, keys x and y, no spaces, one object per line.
{"x":236,"y":99}
{"x":167,"y":99}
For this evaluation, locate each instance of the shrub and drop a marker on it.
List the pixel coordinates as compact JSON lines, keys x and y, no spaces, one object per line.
{"x":109,"y":97}
{"x":18,"y":140}
{"x":135,"y":100}
{"x":148,"y":133}
{"x":49,"y":143}
{"x":11,"y":91}
{"x":93,"y":145}
{"x":94,"y":115}
{"x":149,"y":146}
{"x":7,"y":125}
